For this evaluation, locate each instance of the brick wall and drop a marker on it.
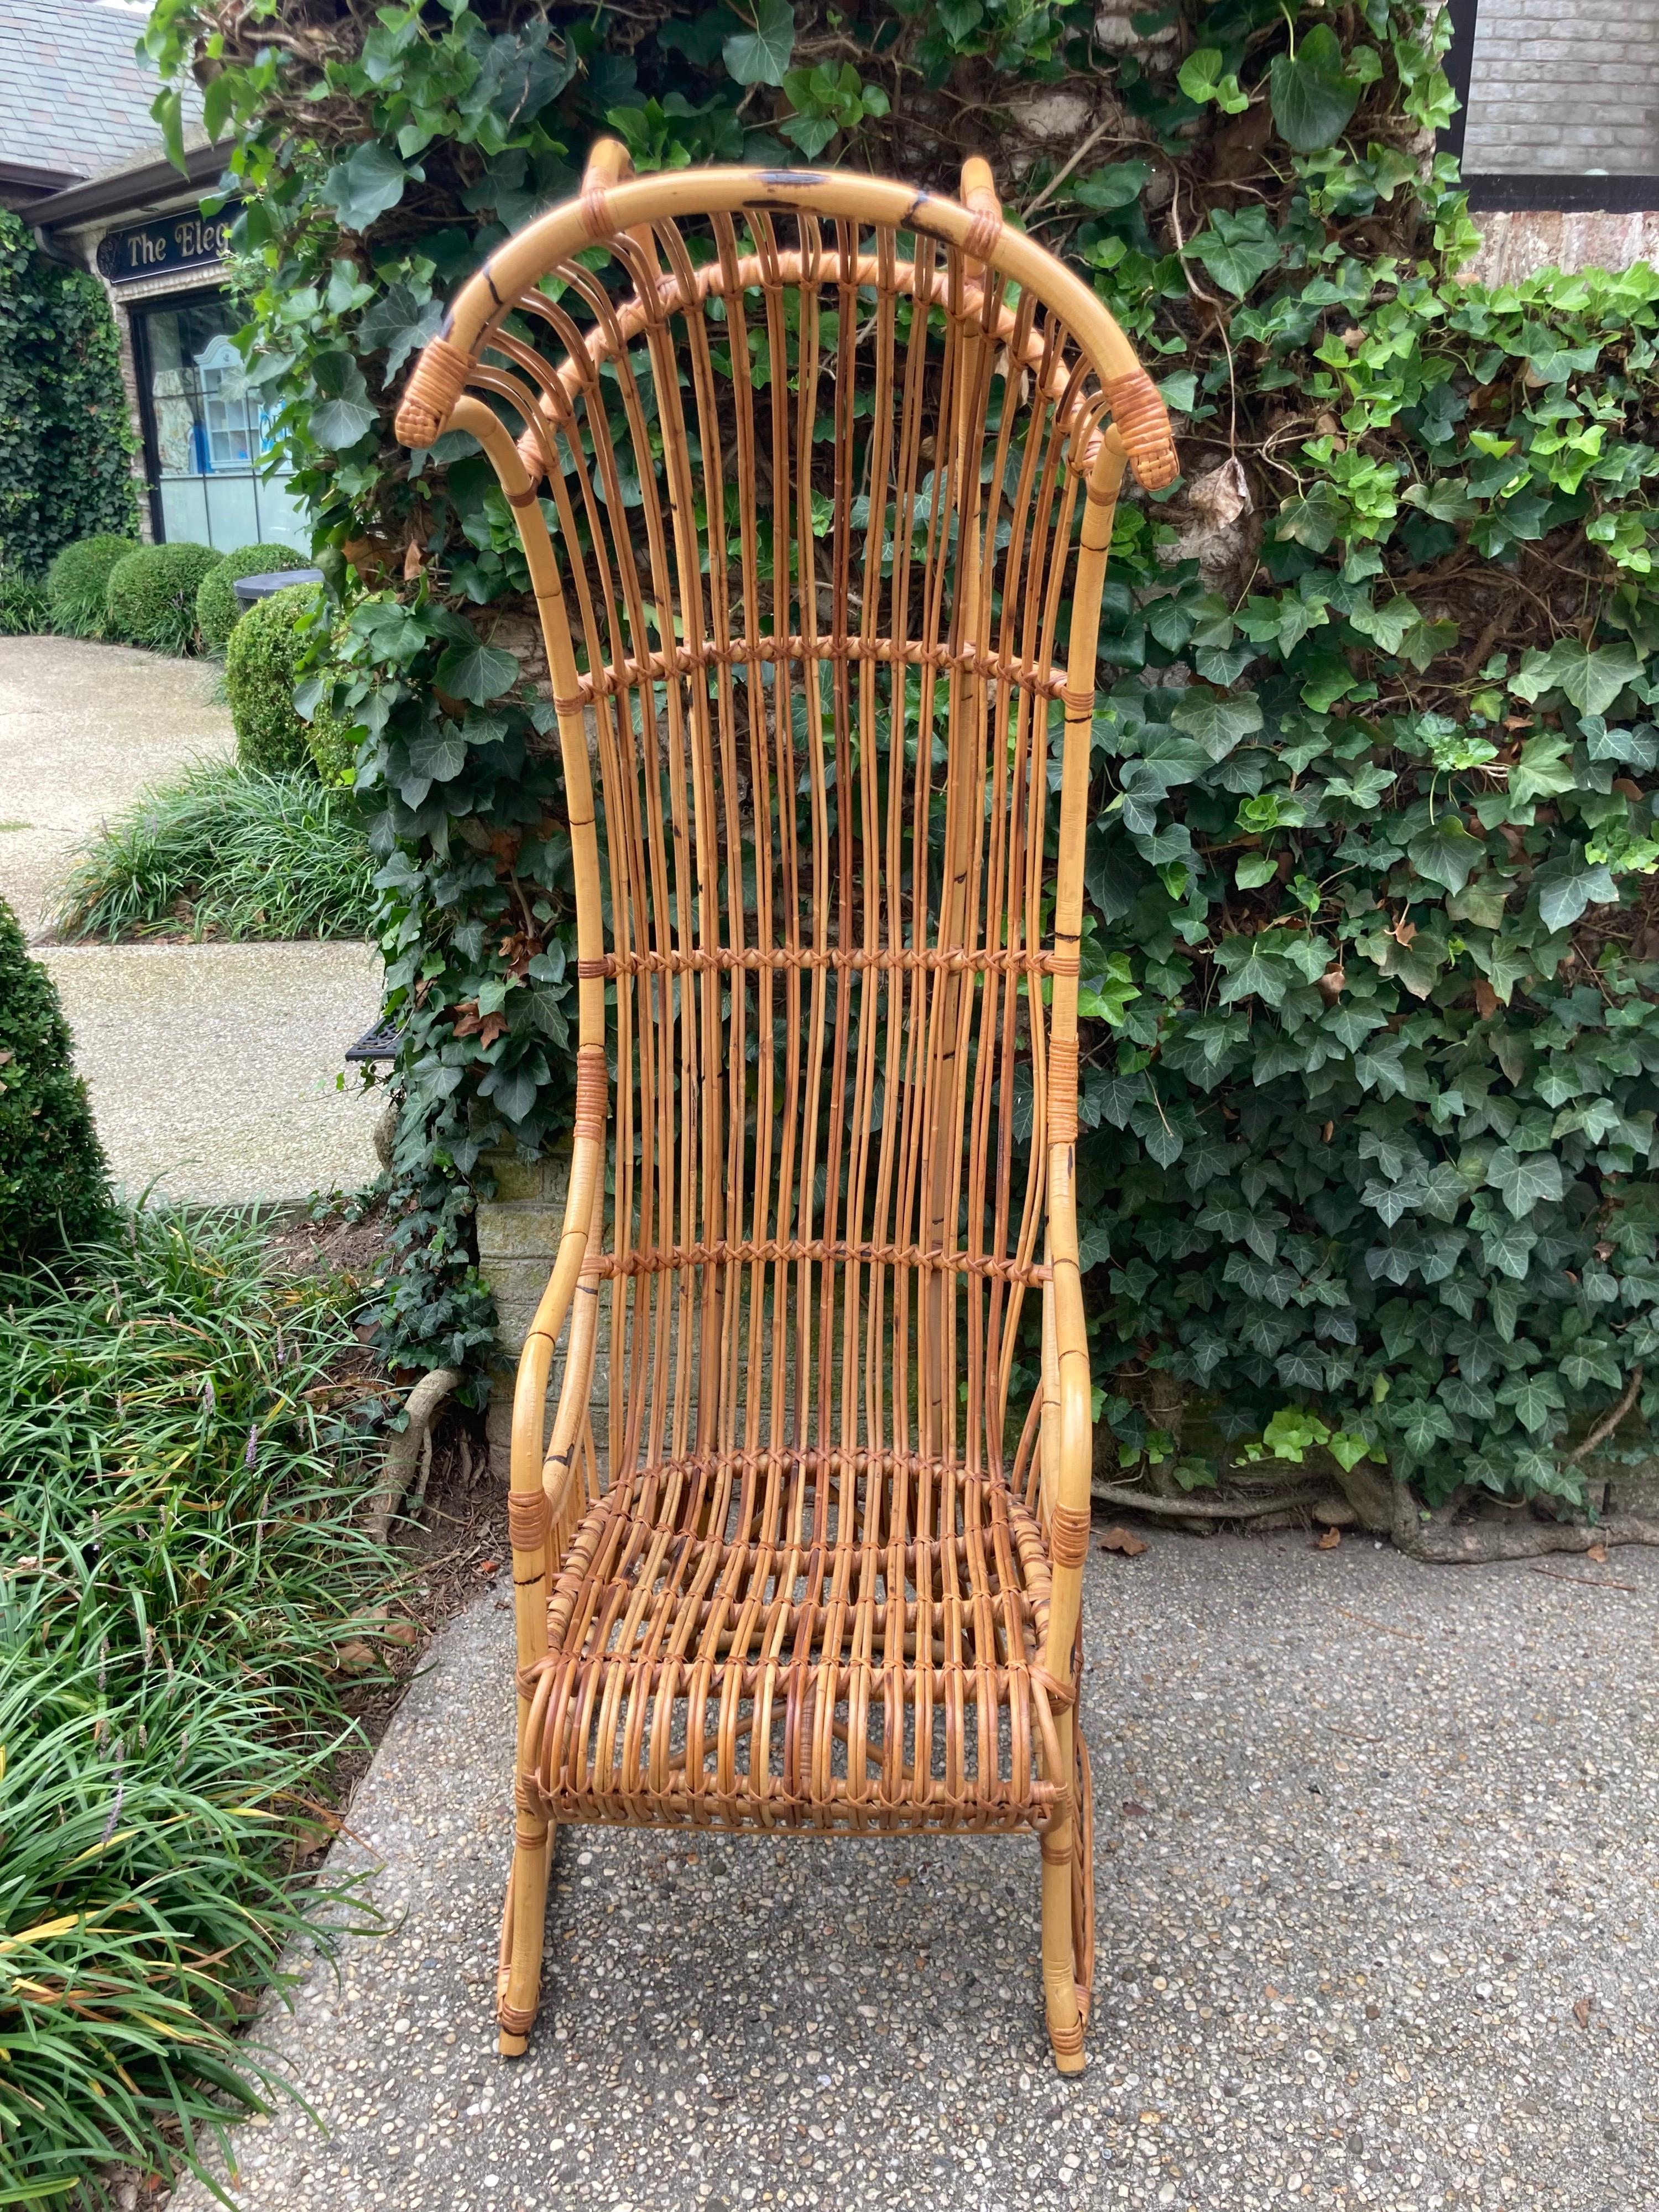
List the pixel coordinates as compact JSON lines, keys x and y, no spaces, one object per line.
{"x":1566,"y":85}
{"x":519,"y":1233}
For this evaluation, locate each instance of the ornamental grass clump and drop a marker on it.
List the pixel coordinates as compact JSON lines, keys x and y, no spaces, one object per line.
{"x":1370,"y":1071}
{"x":229,"y":852}
{"x":180,"y":1467}
{"x":150,"y":597}
{"x":78,"y":584}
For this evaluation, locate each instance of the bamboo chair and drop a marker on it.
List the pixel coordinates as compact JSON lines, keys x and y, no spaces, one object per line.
{"x":815,"y":477}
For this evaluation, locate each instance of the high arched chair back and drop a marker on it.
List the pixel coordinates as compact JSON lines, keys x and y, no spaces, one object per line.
{"x":815,"y":452}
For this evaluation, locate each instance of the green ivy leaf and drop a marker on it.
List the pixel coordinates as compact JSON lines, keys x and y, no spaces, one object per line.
{"x":1445,"y":853}
{"x":367,"y":184}
{"x":343,"y":412}
{"x":1311,"y":93}
{"x":477,"y":672}
{"x":439,"y":754}
{"x":1533,"y":1398}
{"x":1314,"y":519}
{"x":1591,"y":1361}
{"x":398,"y":325}
{"x":546,"y":1008}
{"x":1117,"y":185}
{"x":1252,"y":972}
{"x":1468,"y":1399}
{"x":1592,"y":677}
{"x":1524,"y":1180}
{"x":1217,"y":721}
{"x":1567,"y":886}
{"x":1237,"y":249}
{"x":1544,"y":769}
{"x":760,"y":55}
{"x":1203,"y":76}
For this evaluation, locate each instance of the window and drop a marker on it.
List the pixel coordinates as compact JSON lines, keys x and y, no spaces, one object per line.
{"x":206,"y":435}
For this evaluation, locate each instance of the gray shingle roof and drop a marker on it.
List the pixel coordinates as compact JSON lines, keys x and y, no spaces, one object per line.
{"x":72,"y":94}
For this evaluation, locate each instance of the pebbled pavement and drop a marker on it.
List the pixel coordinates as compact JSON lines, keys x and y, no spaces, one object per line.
{"x":214,"y":1069}
{"x":1378,"y":1894}
{"x":83,"y":727}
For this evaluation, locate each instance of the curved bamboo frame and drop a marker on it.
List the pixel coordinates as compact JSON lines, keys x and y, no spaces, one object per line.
{"x":812,"y":1590}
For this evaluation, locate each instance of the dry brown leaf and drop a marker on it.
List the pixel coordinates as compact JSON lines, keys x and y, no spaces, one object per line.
{"x":1328,"y":1542}
{"x":1132,"y":1808}
{"x":1118,"y":1539}
{"x":1404,"y":931}
{"x":1486,"y":999}
{"x":1582,"y":2009}
{"x":1598,"y":1553}
{"x":487,"y":1566}
{"x":354,"y":1658}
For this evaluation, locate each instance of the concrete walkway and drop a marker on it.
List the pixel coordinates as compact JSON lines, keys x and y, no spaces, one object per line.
{"x":84,"y":728}
{"x":1378,"y":1890}
{"x":212,"y":1068}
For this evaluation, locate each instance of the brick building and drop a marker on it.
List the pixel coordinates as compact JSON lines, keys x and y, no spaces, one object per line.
{"x":1558,"y":133}
{"x":81,"y":159}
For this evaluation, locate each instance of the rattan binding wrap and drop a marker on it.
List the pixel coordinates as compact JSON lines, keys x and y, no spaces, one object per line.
{"x":825,"y":696}
{"x":437,"y":381}
{"x":1143,"y":423}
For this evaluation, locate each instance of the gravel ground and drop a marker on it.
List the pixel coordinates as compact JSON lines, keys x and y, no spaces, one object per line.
{"x":82,"y":728}
{"x":1378,"y":1888}
{"x":212,"y":1068}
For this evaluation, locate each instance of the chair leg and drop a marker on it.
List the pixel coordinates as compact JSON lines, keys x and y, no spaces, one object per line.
{"x":519,"y":1964}
{"x":1068,"y":1912}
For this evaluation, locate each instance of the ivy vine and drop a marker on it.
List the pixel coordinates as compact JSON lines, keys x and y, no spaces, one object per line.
{"x":66,"y":446}
{"x":1369,"y":1086}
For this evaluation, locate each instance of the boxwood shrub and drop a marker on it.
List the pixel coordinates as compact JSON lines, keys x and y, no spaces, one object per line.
{"x":263,"y":661}
{"x":218,"y":610}
{"x":78,"y":584}
{"x":150,"y":598}
{"x":53,"y":1184}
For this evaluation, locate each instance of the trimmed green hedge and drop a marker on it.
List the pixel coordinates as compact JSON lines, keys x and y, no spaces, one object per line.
{"x":78,"y":584}
{"x":151,"y":596}
{"x":218,"y":610}
{"x":53,"y":1184}
{"x":262,"y":666}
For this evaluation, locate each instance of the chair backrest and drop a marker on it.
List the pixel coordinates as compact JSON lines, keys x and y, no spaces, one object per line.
{"x":815,"y":475}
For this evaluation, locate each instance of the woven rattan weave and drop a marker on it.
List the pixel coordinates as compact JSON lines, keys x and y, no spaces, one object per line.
{"x":815,"y":476}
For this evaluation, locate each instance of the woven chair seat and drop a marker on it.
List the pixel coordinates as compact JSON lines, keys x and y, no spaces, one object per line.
{"x":763,"y":1643}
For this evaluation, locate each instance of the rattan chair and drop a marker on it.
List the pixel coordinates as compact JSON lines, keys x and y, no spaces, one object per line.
{"x":815,"y":477}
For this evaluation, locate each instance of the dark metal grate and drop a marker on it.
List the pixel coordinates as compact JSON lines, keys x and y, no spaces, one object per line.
{"x":379,"y":1043}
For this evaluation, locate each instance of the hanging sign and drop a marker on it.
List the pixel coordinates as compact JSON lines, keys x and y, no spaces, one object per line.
{"x":173,"y":244}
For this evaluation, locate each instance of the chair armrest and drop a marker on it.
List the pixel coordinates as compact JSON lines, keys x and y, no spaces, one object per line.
{"x":584,"y":1194}
{"x":1072,"y":1410}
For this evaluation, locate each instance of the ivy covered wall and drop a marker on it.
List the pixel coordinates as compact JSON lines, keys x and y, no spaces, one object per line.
{"x":66,"y":445}
{"x":1369,"y":1081}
